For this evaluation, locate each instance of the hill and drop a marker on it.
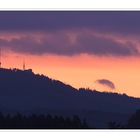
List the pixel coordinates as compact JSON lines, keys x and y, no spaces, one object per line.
{"x":24,"y":91}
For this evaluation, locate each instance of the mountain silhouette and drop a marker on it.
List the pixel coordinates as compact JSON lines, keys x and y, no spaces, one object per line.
{"x":26,"y":92}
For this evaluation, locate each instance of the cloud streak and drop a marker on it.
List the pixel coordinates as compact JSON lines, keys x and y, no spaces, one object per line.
{"x":106,"y":82}
{"x":63,"y":43}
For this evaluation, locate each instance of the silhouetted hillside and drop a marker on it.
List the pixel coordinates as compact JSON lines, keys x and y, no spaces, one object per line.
{"x":24,"y":91}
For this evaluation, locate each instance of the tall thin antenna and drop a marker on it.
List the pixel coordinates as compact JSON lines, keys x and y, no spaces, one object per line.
{"x":0,"y":57}
{"x":23,"y":65}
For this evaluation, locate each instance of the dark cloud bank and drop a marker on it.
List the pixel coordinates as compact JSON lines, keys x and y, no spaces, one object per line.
{"x":52,"y":21}
{"x":125,"y":22}
{"x":62,"y":46}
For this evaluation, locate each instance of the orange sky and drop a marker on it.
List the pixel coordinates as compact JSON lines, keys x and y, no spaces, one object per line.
{"x":77,"y":48}
{"x":79,"y":70}
{"x":82,"y":70}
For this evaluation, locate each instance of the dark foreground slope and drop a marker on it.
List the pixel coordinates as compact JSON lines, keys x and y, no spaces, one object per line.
{"x":24,"y":91}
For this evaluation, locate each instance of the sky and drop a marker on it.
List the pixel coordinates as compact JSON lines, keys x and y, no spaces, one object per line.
{"x":90,"y":49}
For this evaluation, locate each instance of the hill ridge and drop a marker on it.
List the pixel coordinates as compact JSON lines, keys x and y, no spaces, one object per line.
{"x":23,"y":89}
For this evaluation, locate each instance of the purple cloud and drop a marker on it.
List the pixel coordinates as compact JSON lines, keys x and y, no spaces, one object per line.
{"x":122,"y":22}
{"x":51,"y":22}
{"x":106,"y":82}
{"x":61,"y":44}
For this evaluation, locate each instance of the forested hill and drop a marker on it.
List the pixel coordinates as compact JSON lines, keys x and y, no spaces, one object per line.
{"x":23,"y":90}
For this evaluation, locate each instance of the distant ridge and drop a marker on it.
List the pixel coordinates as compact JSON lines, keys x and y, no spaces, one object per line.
{"x":24,"y":90}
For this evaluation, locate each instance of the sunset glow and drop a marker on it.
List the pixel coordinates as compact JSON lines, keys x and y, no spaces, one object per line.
{"x":78,"y":52}
{"x":81,"y":71}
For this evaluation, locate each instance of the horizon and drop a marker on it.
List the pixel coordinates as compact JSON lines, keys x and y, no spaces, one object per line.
{"x":40,"y":74}
{"x":90,"y":49}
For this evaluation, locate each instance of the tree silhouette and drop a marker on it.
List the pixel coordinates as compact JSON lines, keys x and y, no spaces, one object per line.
{"x":115,"y":125}
{"x":85,"y":125}
{"x":134,"y":121}
{"x":39,"y":121}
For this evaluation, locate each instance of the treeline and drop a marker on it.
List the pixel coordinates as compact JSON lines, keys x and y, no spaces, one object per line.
{"x":132,"y":123}
{"x":33,"y":121}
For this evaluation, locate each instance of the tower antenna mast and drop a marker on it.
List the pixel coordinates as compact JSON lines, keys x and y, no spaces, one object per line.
{"x":0,"y":57}
{"x":23,"y":65}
